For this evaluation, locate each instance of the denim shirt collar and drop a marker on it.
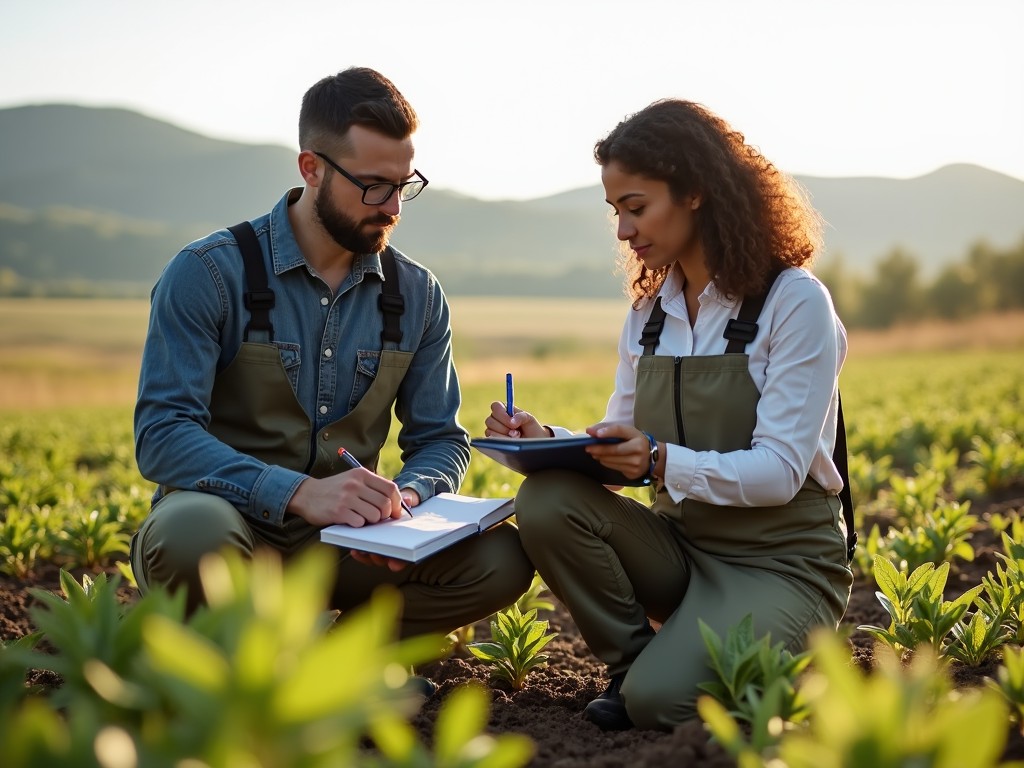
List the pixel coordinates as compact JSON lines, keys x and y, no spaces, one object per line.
{"x":284,"y":248}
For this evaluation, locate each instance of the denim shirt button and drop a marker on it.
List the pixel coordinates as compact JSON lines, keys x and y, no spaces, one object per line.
{"x":266,"y":514}
{"x":323,"y":409}
{"x":324,"y":301}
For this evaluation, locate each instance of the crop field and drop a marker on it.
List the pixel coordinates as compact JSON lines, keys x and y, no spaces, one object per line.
{"x":935,"y":417}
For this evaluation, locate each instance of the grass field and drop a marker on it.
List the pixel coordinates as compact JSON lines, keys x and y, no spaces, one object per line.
{"x":80,"y":353}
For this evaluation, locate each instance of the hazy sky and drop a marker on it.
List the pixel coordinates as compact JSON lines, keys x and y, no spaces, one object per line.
{"x":513,"y":95}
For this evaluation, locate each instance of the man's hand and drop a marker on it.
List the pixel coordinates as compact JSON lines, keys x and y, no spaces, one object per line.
{"x":356,"y":497}
{"x":368,"y":558}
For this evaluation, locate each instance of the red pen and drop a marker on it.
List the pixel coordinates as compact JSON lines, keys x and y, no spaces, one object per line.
{"x":353,"y":462}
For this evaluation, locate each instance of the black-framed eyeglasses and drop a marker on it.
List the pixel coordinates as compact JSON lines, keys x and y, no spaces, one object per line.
{"x":381,"y":192}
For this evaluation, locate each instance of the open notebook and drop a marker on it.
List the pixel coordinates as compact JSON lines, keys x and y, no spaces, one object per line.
{"x":439,"y":522}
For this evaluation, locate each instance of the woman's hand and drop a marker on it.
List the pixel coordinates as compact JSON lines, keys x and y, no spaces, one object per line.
{"x":520,"y":424}
{"x":631,"y":457}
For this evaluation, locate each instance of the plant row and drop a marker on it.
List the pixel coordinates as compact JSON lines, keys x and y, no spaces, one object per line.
{"x":264,"y":675}
{"x":773,"y":709}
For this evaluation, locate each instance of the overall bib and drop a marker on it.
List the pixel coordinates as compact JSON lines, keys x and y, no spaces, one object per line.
{"x":618,"y":562}
{"x":254,"y":409}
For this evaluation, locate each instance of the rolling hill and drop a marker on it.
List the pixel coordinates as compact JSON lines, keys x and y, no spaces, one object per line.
{"x":101,"y":195}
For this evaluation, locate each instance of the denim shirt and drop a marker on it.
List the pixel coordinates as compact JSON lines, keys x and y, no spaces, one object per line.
{"x":329,"y":345}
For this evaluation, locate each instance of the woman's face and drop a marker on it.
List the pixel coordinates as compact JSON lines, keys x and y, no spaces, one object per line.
{"x":660,"y":230}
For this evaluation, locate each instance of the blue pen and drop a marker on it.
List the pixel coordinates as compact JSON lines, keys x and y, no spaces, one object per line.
{"x":353,"y":462}
{"x":509,"y":407}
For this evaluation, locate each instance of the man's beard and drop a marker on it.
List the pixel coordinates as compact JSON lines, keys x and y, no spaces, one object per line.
{"x":346,"y":231}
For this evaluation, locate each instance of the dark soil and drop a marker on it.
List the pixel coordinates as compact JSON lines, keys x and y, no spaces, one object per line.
{"x":548,"y":708}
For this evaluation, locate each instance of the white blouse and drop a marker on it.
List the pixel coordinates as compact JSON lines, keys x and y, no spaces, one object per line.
{"x":795,"y":361}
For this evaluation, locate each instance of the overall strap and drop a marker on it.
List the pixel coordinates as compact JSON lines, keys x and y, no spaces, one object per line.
{"x":390,"y":300}
{"x":653,"y":328}
{"x":839,"y":458}
{"x":259,"y":299}
{"x":741,"y":332}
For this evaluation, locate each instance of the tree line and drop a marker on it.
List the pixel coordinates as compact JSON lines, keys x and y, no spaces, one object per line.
{"x":76,"y":259}
{"x":988,"y":279}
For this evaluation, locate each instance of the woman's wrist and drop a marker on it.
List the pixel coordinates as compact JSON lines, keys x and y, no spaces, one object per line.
{"x":654,"y":456}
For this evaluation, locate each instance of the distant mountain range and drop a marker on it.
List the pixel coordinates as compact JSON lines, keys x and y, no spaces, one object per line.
{"x":107,"y":196}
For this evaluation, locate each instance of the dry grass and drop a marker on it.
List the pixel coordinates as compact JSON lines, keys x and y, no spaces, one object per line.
{"x":81,"y":353}
{"x":74,"y":353}
{"x":1002,"y":331}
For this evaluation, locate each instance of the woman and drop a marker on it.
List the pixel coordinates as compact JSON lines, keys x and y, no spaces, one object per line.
{"x":739,"y":443}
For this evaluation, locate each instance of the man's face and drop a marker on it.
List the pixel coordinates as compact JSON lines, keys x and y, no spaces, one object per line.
{"x":368,"y":234}
{"x":372,"y":158}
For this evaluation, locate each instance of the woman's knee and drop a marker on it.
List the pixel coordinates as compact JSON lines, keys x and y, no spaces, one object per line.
{"x":659,"y":702}
{"x":545,"y":500}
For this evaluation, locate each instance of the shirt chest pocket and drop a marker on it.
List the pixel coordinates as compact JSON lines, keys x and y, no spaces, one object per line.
{"x":367,"y":364}
{"x":291,"y":360}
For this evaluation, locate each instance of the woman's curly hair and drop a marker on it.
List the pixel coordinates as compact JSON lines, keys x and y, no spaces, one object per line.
{"x":752,"y":219}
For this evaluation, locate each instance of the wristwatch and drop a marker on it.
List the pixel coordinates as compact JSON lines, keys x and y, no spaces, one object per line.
{"x":654,"y":455}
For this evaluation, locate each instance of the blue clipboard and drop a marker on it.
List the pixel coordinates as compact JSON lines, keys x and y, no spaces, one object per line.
{"x":527,"y":455}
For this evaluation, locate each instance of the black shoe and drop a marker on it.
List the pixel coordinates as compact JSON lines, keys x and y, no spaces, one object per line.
{"x":608,"y":711}
{"x":421,"y":685}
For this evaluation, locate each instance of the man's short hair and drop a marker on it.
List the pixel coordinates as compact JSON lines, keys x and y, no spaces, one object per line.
{"x":354,"y":96}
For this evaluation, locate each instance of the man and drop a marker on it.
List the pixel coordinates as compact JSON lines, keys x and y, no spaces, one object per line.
{"x":256,"y":372}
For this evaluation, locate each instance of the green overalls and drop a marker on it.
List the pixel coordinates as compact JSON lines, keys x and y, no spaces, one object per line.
{"x":254,"y":409}
{"x":614,"y":562}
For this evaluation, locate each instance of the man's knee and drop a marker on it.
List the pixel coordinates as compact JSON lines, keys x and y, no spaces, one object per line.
{"x":181,"y":529}
{"x":511,"y":568}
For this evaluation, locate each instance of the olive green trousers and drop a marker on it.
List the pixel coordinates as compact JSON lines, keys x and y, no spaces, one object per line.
{"x":457,"y":586}
{"x":615,"y":564}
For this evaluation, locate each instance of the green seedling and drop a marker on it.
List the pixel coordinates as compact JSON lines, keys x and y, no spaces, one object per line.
{"x":869,"y":546}
{"x":911,"y":497}
{"x":21,"y":541}
{"x":1003,"y":599}
{"x":531,"y":598}
{"x":92,"y":629}
{"x":459,"y":738}
{"x":757,"y":681}
{"x":1000,"y":460}
{"x":92,"y":539}
{"x":919,"y":616}
{"x":1010,"y":683}
{"x":459,"y":641}
{"x":943,"y":536}
{"x":897,"y":716}
{"x":514,"y":651}
{"x":257,"y":677}
{"x":976,"y":640}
